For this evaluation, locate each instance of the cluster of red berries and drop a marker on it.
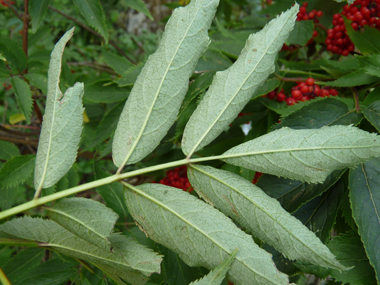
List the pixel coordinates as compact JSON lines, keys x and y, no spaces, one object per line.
{"x":303,"y":15}
{"x":177,"y":177}
{"x":337,"y":40}
{"x":256,"y":177}
{"x":361,"y":13}
{"x":7,"y":86}
{"x":303,"y":91}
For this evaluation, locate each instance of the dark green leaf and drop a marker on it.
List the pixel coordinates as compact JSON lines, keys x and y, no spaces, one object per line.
{"x":373,"y":96}
{"x":139,"y":5}
{"x":349,"y":250}
{"x":372,"y":114}
{"x":118,"y":63}
{"x":16,"y":170}
{"x":8,"y":150}
{"x":197,"y":87}
{"x":9,"y":196}
{"x":325,"y":112}
{"x":268,"y":85}
{"x":23,"y":263}
{"x":107,"y":125}
{"x":37,"y":10}
{"x":175,"y":271}
{"x":355,"y":78}
{"x":292,"y":194}
{"x":51,"y":272}
{"x":371,"y":64}
{"x":130,"y":75}
{"x":23,"y":96}
{"x":113,"y":194}
{"x":300,"y":65}
{"x":93,"y":13}
{"x":301,"y":34}
{"x":368,"y":41}
{"x":38,"y":80}
{"x":213,"y":60}
{"x":319,"y":214}
{"x":231,"y":48}
{"x":13,"y":53}
{"x":364,"y":184}
{"x":98,"y":93}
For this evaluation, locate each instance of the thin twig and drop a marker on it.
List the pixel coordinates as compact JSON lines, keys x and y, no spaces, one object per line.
{"x":94,"y":65}
{"x":17,"y":133}
{"x":13,"y":9}
{"x":5,"y":111}
{"x":111,"y":42}
{"x":25,"y":30}
{"x":22,"y":127}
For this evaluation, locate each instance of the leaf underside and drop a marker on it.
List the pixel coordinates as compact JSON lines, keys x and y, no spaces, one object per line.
{"x":156,"y":97}
{"x":231,"y":89}
{"x":61,"y":126}
{"x":199,"y":234}
{"x":260,"y":214}
{"x":306,"y":155}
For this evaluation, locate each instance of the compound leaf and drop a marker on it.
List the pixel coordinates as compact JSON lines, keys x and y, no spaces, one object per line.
{"x":93,"y":13}
{"x":364,"y":184}
{"x":216,"y":276}
{"x":23,"y":96}
{"x":62,"y":124}
{"x":260,"y":214}
{"x":306,"y":155}
{"x":198,"y":233}
{"x":16,"y":170}
{"x":231,"y":89}
{"x":88,"y":219}
{"x":156,"y":97}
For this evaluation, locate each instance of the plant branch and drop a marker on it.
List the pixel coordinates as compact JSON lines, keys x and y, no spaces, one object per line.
{"x":25,"y":28}
{"x":307,"y":73}
{"x":356,"y":98}
{"x":17,"y":133}
{"x":4,"y":279}
{"x":94,"y":65}
{"x":87,"y":28}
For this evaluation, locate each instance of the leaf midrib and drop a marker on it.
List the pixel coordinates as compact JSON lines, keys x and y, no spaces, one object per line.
{"x":236,"y":93}
{"x":95,"y":256}
{"x":224,"y":156}
{"x":261,"y":208}
{"x":154,"y":200}
{"x":137,"y":140}
{"x":56,"y":89}
{"x":78,"y":221}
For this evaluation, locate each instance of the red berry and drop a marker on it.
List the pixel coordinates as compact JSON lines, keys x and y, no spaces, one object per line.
{"x":310,"y":81}
{"x":297,"y":94}
{"x":281,"y":97}
{"x":271,"y":95}
{"x":290,"y":101}
{"x":319,"y":13}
